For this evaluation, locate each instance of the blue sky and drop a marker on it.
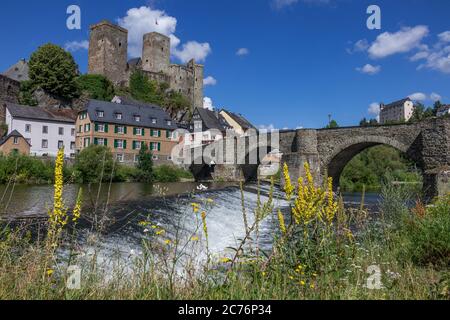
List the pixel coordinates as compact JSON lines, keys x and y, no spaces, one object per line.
{"x":300,"y":60}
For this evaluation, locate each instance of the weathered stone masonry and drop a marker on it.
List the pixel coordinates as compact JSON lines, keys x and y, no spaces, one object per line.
{"x":328,"y":151}
{"x":108,"y":53}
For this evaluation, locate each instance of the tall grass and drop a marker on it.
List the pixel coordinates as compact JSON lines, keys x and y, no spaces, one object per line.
{"x":321,"y":250}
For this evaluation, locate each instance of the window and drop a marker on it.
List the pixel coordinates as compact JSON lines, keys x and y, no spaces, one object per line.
{"x":72,"y":145}
{"x":120,"y":144}
{"x":137,"y":145}
{"x":61,"y":131}
{"x":28,"y":128}
{"x":60,"y":144}
{"x":138,"y":132}
{"x":16,"y":140}
{"x":100,"y":127}
{"x":154,"y":120}
{"x":136,"y":158}
{"x":44,"y":129}
{"x":80,"y":128}
{"x":119,"y":157}
{"x":120,"y":129}
{"x":83,"y":115}
{"x":100,"y":114}
{"x":87,"y":142}
{"x":169,"y":122}
{"x":155,"y":146}
{"x":87,"y":127}
{"x":168,"y":134}
{"x":44,"y":144}
{"x":72,"y":132}
{"x":118,"y":116}
{"x":100,"y":142}
{"x":137,"y":118}
{"x":156,"y":133}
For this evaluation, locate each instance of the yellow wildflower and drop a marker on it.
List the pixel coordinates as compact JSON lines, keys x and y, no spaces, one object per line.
{"x":312,"y":286}
{"x":77,"y":209}
{"x":302,"y":282}
{"x":167,"y":242}
{"x":160,"y":232}
{"x":195,"y":238}
{"x":205,"y":227}
{"x":195,"y":207}
{"x":281,"y":221}
{"x":50,"y":272}
{"x":225,"y":260}
{"x":288,"y":187}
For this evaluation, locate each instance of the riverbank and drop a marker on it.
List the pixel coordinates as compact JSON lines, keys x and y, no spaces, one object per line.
{"x":318,"y":250}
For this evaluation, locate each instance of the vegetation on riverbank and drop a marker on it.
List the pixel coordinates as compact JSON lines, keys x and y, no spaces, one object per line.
{"x":321,"y":251}
{"x":92,"y":165}
{"x":368,"y":169}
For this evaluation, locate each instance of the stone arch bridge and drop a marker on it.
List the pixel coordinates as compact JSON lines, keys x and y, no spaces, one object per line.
{"x":328,"y":151}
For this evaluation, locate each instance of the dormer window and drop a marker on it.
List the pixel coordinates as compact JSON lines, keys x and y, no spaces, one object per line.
{"x":137,"y":118}
{"x":118,"y":116}
{"x":154,"y":120}
{"x":100,"y":114}
{"x":169,"y":122}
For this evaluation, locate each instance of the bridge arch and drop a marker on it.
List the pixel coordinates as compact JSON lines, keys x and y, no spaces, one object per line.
{"x":342,"y":153}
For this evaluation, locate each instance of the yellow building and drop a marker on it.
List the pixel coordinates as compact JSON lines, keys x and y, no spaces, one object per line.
{"x":14,"y":142}
{"x":125,"y":128}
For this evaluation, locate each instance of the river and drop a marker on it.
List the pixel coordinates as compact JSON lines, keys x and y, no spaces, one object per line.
{"x":166,"y":205}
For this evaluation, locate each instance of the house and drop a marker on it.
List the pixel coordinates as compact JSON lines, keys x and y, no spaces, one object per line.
{"x":46,"y":131}
{"x":18,"y":71}
{"x":205,"y":127}
{"x":443,"y":110}
{"x":125,"y":128}
{"x":239,"y":124}
{"x":398,"y":111}
{"x":14,"y":142}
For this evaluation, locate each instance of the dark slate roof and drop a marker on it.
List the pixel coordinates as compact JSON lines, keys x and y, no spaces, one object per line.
{"x":146,"y":111}
{"x":38,"y":113}
{"x":444,"y":108}
{"x":395,"y":104}
{"x":18,"y":71}
{"x":135,"y":62}
{"x":14,"y":133}
{"x":239,"y":118}
{"x":212,"y":120}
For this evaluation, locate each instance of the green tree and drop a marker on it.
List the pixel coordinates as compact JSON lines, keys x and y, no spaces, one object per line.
{"x":54,"y":70}
{"x":333,"y":124}
{"x":145,"y":164}
{"x":93,"y":165}
{"x":26,"y":93}
{"x":97,"y":86}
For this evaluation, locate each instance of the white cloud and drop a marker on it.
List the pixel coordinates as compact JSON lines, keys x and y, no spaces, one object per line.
{"x":369,"y":69}
{"x":418,"y":96}
{"x":208,"y":103}
{"x":401,"y":41}
{"x":192,"y":50}
{"x":76,"y":45}
{"x":209,"y":81}
{"x":374,"y":108}
{"x":359,"y":46}
{"x":139,"y":21}
{"x":419,"y":56}
{"x":444,"y":36}
{"x":280,"y":4}
{"x":266,"y":128}
{"x":242,"y":52}
{"x":435,"y":97}
{"x":438,"y":60}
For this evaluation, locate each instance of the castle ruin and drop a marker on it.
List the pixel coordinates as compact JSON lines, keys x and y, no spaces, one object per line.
{"x":108,"y":56}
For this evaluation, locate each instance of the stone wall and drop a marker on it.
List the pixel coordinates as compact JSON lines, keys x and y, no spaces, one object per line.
{"x":9,"y":89}
{"x":108,"y":51}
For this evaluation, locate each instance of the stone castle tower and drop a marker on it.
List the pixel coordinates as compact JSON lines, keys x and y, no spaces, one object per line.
{"x":108,"y":56}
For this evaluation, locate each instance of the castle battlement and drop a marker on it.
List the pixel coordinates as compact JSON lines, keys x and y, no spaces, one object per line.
{"x":108,"y":56}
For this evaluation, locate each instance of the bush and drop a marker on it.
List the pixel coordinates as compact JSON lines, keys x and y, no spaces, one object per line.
{"x":428,"y":237}
{"x":29,"y":170}
{"x":145,"y":164}
{"x":91,"y":163}
{"x":97,"y":86}
{"x":166,"y":173}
